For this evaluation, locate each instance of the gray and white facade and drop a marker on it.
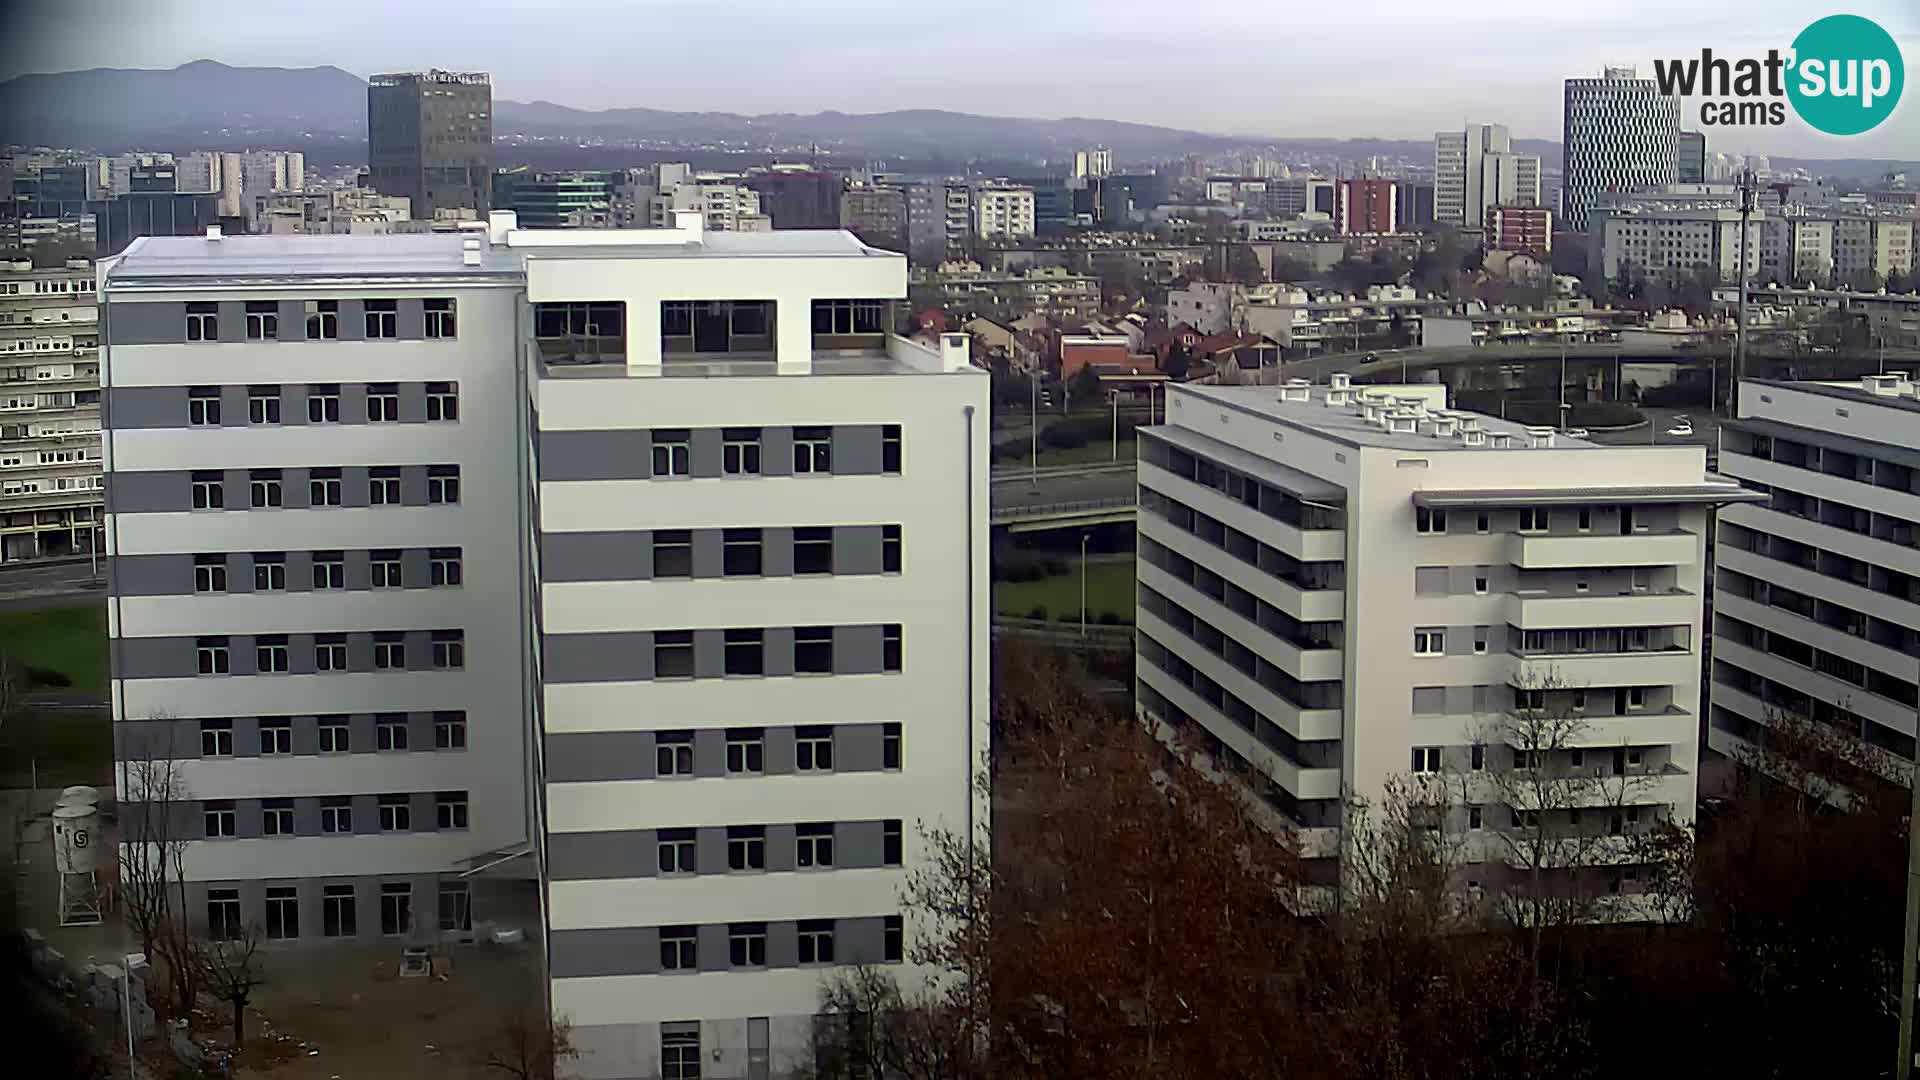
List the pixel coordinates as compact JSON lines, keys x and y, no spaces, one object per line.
{"x":1817,"y":589}
{"x":50,"y":479}
{"x":722,"y":600}
{"x":1620,"y":134}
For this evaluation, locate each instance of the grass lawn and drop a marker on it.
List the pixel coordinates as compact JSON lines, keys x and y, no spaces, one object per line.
{"x":70,"y":640}
{"x":1109,"y":589}
{"x":1094,"y":453}
{"x":66,"y":746}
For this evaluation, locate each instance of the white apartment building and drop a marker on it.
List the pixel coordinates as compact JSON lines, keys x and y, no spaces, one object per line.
{"x":1002,"y":212}
{"x":1620,"y":135}
{"x":662,"y":574}
{"x":1673,"y":232}
{"x":1833,"y":244}
{"x":1476,"y":168}
{"x":1342,"y":586}
{"x":1817,"y":595}
{"x":725,"y":204}
{"x":50,"y":472}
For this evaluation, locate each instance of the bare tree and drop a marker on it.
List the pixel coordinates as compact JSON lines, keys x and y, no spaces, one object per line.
{"x":229,"y":965}
{"x":152,"y":884}
{"x":525,"y":1041}
{"x":868,"y":1027}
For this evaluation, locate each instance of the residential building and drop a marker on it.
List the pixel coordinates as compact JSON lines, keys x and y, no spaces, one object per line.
{"x":430,"y":138}
{"x":1344,"y":588}
{"x":1297,"y":318}
{"x":1526,"y":230}
{"x":727,"y":204}
{"x":877,"y":215}
{"x":739,"y":634}
{"x":1674,"y":232}
{"x":959,"y":219}
{"x":1816,"y":601}
{"x":1692,"y":164}
{"x":967,"y":289}
{"x":1367,"y":205}
{"x":1621,"y":134}
{"x":1836,"y":243}
{"x":1892,"y":319}
{"x":798,"y":196}
{"x":1307,"y":195}
{"x":926,"y":223}
{"x":1476,"y":168}
{"x":1002,"y":212}
{"x":50,"y":471}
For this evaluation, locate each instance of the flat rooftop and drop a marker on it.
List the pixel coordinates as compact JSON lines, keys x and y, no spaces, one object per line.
{"x":1345,"y":424}
{"x":184,"y":260}
{"x":1850,"y":391}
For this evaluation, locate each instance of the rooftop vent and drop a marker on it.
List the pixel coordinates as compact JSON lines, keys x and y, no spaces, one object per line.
{"x":1473,"y":437}
{"x":1339,"y":380}
{"x":1338,"y":398}
{"x":470,"y":251}
{"x":1443,"y":427}
{"x":1881,"y":385}
{"x":1469,"y":423}
{"x":1412,"y":403}
{"x":1540,"y":438}
{"x":1402,"y":422}
{"x":213,"y":232}
{"x":1500,"y":440}
{"x":1296,"y":390}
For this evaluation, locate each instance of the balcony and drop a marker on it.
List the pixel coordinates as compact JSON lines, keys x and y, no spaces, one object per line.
{"x":1542,"y":552}
{"x":1677,"y":667}
{"x":1299,"y":781}
{"x":1599,"y":731}
{"x":1306,"y":545}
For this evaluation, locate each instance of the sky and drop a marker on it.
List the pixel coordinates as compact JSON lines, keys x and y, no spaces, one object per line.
{"x":1389,"y":68}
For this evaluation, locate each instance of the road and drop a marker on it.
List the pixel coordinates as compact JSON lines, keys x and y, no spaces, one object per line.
{"x":25,"y":586}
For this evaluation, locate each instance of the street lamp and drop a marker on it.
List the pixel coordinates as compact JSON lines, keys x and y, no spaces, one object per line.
{"x":128,"y":961}
{"x":1084,"y":537}
{"x":1114,"y":396}
{"x":1033,"y":421}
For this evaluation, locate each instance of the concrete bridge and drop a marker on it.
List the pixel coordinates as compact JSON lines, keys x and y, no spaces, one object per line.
{"x":1065,"y":496}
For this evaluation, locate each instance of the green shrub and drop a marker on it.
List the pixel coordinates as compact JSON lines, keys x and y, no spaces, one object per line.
{"x":1038,"y":613}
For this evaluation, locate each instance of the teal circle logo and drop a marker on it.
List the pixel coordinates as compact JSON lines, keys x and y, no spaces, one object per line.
{"x":1847,"y":75}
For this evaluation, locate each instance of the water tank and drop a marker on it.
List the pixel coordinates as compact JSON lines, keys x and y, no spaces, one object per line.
{"x":76,"y":839}
{"x":79,"y":795}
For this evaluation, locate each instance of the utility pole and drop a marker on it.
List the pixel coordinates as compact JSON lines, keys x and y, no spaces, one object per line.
{"x":1033,"y":421}
{"x":1740,"y":331}
{"x":1910,"y":955}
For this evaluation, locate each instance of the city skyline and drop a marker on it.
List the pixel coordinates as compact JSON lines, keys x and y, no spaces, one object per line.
{"x":830,"y":63}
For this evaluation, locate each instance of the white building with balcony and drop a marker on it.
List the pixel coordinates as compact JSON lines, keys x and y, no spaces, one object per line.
{"x":644,"y":562}
{"x":1817,"y":593}
{"x":50,"y":472}
{"x":1342,"y":587}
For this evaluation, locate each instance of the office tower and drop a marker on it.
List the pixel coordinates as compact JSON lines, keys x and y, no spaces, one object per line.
{"x":877,"y":215}
{"x":1476,"y":168}
{"x":1817,"y":595}
{"x":198,"y":173}
{"x":1367,"y":205}
{"x":165,"y":212}
{"x":430,"y":138}
{"x":1342,"y":586}
{"x":798,"y":196}
{"x":1413,"y":204}
{"x":1621,"y":135}
{"x":1094,"y":163}
{"x":685,"y":662}
{"x":556,"y":200}
{"x":1692,"y":165}
{"x":50,"y":388}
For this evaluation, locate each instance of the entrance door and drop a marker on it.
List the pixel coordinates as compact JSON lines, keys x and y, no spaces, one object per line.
{"x":710,"y":328}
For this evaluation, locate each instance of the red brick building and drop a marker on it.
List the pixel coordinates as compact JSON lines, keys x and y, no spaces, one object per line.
{"x":1527,"y":230}
{"x":1365,"y":205}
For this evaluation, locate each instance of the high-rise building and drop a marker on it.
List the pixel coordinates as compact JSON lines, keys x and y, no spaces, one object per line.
{"x":1621,"y":135}
{"x":1002,"y":212}
{"x":1346,"y":587}
{"x":877,"y":215}
{"x":1524,"y":230}
{"x":1816,"y":599}
{"x":50,"y":478}
{"x":430,"y":138}
{"x":958,"y":218}
{"x":1097,"y":162}
{"x":1476,"y":168}
{"x":1692,"y":166}
{"x":742,"y":616}
{"x":726,"y":203}
{"x":555,"y":200}
{"x":1367,"y":205}
{"x":1413,"y":204}
{"x":798,"y":196}
{"x":120,"y":220}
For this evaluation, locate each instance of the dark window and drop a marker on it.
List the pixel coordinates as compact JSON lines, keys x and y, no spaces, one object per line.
{"x":892,"y":842}
{"x":324,"y":487}
{"x":890,"y":746}
{"x":396,"y":813}
{"x":323,"y":320}
{"x":675,"y":850}
{"x":216,"y":738}
{"x":813,"y":650}
{"x":337,"y":914}
{"x":444,"y":566}
{"x":389,"y":651}
{"x":323,"y":403}
{"x":747,"y":944}
{"x":742,"y":551}
{"x":396,"y":908}
{"x":209,"y":573}
{"x":440,"y":319}
{"x":263,"y":489}
{"x":383,"y":403}
{"x":329,"y":570}
{"x":890,"y":647}
{"x":813,"y":550}
{"x":816,"y":941}
{"x":812,"y":450}
{"x":223,"y":914}
{"x":263,"y":320}
{"x":746,"y":847}
{"x":203,"y":322}
{"x":746,"y":751}
{"x":450,"y":810}
{"x":679,"y":950}
{"x":813,"y":749}
{"x":383,"y":318}
{"x":673,"y":654}
{"x":449,"y":731}
{"x":443,"y":400}
{"x":276,"y":817}
{"x":443,"y":484}
{"x":671,"y":452}
{"x":212,"y":654}
{"x":217,"y":816}
{"x":745,"y":652}
{"x":209,"y":491}
{"x":673,"y":753}
{"x":203,"y":406}
{"x":449,"y":649}
{"x":889,"y":549}
{"x":283,"y":910}
{"x":890,"y":448}
{"x":814,"y":846}
{"x":335,"y":735}
{"x":383,"y":485}
{"x":893,"y":939}
{"x":673,"y":554}
{"x":383,"y":567}
{"x":263,"y":405}
{"x":276,"y":735}
{"x":269,"y":571}
{"x":740,"y":451}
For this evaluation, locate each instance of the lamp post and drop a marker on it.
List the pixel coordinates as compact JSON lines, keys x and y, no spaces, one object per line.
{"x":1114,"y":395}
{"x":127,"y":963}
{"x":1033,"y":422}
{"x":1084,"y":537}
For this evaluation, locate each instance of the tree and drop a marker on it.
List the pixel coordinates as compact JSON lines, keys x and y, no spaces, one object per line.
{"x":229,"y":969}
{"x":867,"y":1027}
{"x":525,"y":1042}
{"x":154,"y":822}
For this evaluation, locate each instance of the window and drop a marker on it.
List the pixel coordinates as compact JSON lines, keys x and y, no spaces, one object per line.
{"x":323,"y":487}
{"x":816,"y":941}
{"x":892,"y":842}
{"x":1479,"y":756}
{"x":747,"y":944}
{"x":812,"y":450}
{"x":203,"y":322}
{"x":389,"y":651}
{"x":671,"y":452}
{"x":396,"y":908}
{"x":676,"y":851}
{"x":890,"y":746}
{"x":1475,"y":819}
{"x":383,"y":566}
{"x":390,"y":731}
{"x":269,"y":571}
{"x":443,"y":566}
{"x":283,"y":911}
{"x":211,"y":653}
{"x":383,"y":403}
{"x":263,"y":489}
{"x":680,"y":1051}
{"x":209,"y":493}
{"x":1534,"y":519}
{"x":449,"y":649}
{"x":263,"y":404}
{"x":203,"y":406}
{"x":813,"y":749}
{"x":1427,"y":520}
{"x":1638,"y":639}
{"x":1430,"y":641}
{"x":890,"y":448}
{"x":443,"y":484}
{"x":323,"y":403}
{"x":848,"y":317}
{"x":746,"y":847}
{"x":893,"y":939}
{"x":443,"y":401}
{"x":813,"y":550}
{"x":336,"y":814}
{"x":217,"y":816}
{"x":276,"y":817}
{"x":741,"y":553}
{"x":1586,"y":519}
{"x":746,"y":751}
{"x":673,"y":554}
{"x":337,"y":904}
{"x":456,"y":907}
{"x":1529,"y":759}
{"x":813,"y":650}
{"x":329,"y":570}
{"x":1636,"y":698}
{"x":678,"y":948}
{"x":216,"y":738}
{"x":449,"y":730}
{"x":1482,"y":522}
{"x":1479,"y":641}
{"x":440,"y":320}
{"x":450,"y":810}
{"x":673,"y":753}
{"x":889,"y":549}
{"x":1526,"y":819}
{"x":209,"y":573}
{"x":745,"y":653}
{"x":890,"y":647}
{"x":740,"y":451}
{"x":383,"y":318}
{"x":1480,"y":584}
{"x":335,"y":737}
{"x":396,"y":813}
{"x":673,"y":654}
{"x":323,"y":320}
{"x":815,"y":846}
{"x":276,"y":735}
{"x":1426,"y":759}
{"x":223,"y":914}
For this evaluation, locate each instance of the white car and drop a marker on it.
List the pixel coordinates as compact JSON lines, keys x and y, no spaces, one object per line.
{"x":1680,"y":431}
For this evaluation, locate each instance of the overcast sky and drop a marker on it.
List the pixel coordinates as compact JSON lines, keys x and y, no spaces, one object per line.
{"x":1390,"y":68}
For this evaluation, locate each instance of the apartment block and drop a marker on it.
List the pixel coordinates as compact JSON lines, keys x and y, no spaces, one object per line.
{"x":1002,"y":212}
{"x":1346,"y":587}
{"x":1475,"y":169}
{"x":625,"y":585}
{"x":1675,"y":232}
{"x":1817,"y":588}
{"x":50,"y":470}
